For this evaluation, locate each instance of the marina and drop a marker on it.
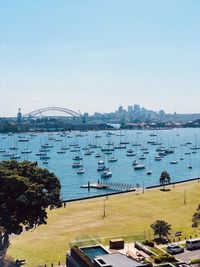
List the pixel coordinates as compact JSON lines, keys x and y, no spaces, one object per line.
{"x":112,"y":161}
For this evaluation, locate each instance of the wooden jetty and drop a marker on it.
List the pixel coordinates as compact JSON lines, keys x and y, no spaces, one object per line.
{"x":114,"y":186}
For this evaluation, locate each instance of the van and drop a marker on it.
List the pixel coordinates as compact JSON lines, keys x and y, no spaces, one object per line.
{"x":193,"y":244}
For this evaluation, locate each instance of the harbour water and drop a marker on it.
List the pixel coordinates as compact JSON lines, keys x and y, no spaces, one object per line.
{"x":62,"y":148}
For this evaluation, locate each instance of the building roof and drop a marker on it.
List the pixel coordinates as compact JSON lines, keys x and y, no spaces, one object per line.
{"x":117,"y":260}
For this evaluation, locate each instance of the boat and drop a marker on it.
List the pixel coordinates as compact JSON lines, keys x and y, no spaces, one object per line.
{"x":157,"y":158}
{"x":139,"y":167}
{"x":119,"y":147}
{"x":45,"y":162}
{"x":102,"y":168}
{"x":81,"y":171}
{"x":101,"y":162}
{"x":173,"y":162}
{"x":142,"y":157}
{"x":112,"y":159}
{"x":44,"y":157}
{"x":130,"y":154}
{"x":15,"y":156}
{"x":77,"y":158}
{"x":149,"y":172}
{"x":135,"y":163}
{"x":77,"y":165}
{"x":40,"y":154}
{"x":106,"y":174}
{"x":88,"y":153}
{"x":26,"y":151}
{"x":61,"y":151}
{"x":98,"y":155}
{"x":23,"y":140}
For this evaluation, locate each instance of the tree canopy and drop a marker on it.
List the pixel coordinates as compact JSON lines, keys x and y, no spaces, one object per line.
{"x":164,"y":178}
{"x":25,"y":192}
{"x":161,"y":228}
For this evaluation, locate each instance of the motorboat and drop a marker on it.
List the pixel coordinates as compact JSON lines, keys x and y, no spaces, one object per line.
{"x":106,"y":174}
{"x":81,"y":171}
{"x":26,"y":151}
{"x":101,"y":162}
{"x":98,"y":155}
{"x":77,"y":165}
{"x":139,"y":167}
{"x":142,"y":157}
{"x":135,"y":163}
{"x":102,"y":168}
{"x":61,"y":151}
{"x":173,"y":162}
{"x":77,"y":158}
{"x":149,"y":172}
{"x":112,"y":159}
{"x":15,"y":156}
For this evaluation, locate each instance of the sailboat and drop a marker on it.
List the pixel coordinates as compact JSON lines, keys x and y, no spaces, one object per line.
{"x":149,"y":172}
{"x":190,"y":165}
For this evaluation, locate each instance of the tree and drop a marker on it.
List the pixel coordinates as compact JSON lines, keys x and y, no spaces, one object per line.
{"x":161,"y":228}
{"x":196,"y":217}
{"x":164,"y":178}
{"x":25,"y":192}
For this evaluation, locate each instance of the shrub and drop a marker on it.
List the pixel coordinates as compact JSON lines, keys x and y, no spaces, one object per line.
{"x":149,"y":243}
{"x":157,"y":260}
{"x":194,"y":261}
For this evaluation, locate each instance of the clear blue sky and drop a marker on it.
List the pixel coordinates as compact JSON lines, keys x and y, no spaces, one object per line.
{"x":94,"y":55}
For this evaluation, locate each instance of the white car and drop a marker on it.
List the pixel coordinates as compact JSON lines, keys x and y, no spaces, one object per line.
{"x":174,"y":249}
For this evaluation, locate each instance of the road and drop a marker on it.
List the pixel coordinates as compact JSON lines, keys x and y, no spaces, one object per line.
{"x":188,"y":255}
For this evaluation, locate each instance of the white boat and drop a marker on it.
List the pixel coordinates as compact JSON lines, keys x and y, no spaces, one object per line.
{"x":101,"y":162}
{"x":106,"y":174}
{"x":98,"y":155}
{"x":77,"y":158}
{"x":112,"y":159}
{"x":15,"y":156}
{"x":157,"y":158}
{"x":26,"y":151}
{"x":142,"y":157}
{"x":139,"y":167}
{"x":102,"y":168}
{"x":77,"y":165}
{"x":173,"y":162}
{"x":135,"y":163}
{"x":81,"y":171}
{"x":45,"y":162}
{"x":149,"y":172}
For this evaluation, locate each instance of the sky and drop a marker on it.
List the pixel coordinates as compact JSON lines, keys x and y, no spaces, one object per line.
{"x":94,"y":55}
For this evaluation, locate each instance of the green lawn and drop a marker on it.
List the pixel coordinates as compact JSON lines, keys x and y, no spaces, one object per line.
{"x":127,"y":215}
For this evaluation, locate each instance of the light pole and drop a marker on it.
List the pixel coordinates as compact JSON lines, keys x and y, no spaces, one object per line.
{"x":185,"y":201}
{"x":104,"y":208}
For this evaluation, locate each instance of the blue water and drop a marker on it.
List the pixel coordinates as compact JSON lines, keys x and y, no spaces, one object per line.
{"x":122,"y":170}
{"x":94,"y":251}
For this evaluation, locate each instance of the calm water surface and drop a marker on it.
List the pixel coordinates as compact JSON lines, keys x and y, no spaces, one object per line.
{"x":181,"y":141}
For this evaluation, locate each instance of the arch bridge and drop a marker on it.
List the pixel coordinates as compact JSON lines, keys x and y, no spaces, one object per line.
{"x":39,"y":112}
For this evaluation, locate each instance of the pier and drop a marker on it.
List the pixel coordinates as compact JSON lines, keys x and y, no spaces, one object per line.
{"x":114,"y":186}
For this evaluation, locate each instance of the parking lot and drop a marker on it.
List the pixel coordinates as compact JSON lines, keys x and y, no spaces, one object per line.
{"x":188,"y":255}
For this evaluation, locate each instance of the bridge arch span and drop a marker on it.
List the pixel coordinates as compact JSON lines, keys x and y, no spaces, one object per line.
{"x":37,"y":112}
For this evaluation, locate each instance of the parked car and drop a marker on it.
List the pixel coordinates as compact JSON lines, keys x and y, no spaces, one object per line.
{"x":174,"y":249}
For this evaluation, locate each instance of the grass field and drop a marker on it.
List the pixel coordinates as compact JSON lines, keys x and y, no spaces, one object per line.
{"x":126,"y":214}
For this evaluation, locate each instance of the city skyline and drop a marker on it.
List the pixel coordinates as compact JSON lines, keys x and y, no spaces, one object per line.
{"x":94,"y":56}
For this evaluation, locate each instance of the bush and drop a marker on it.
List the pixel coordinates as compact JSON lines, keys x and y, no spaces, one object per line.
{"x":194,"y":261}
{"x":149,"y":243}
{"x":168,"y":258}
{"x":157,"y":260}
